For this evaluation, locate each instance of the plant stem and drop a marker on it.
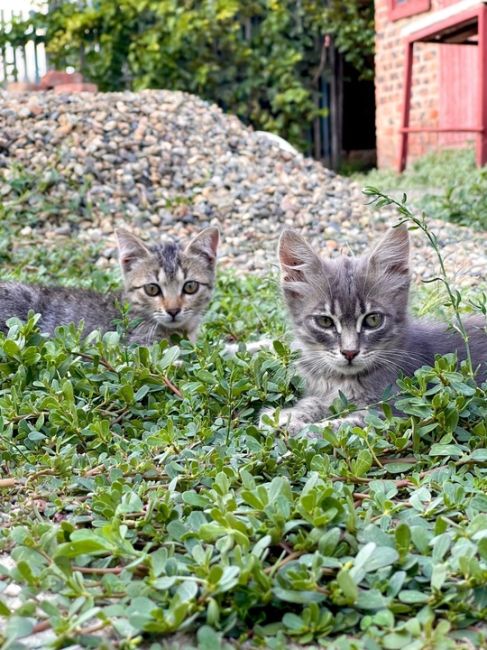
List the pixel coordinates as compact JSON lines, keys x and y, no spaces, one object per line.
{"x":381,"y":199}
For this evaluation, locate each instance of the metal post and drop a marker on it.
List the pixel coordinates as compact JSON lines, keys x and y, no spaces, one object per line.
{"x":406,"y":107}
{"x":482,"y":93}
{"x":36,"y":56}
{"x":24,"y":53}
{"x":336,"y":106}
{"x":3,"y":52}
{"x":14,"y":54}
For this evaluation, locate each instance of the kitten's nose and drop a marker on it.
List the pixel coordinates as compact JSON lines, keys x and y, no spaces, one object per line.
{"x":173,"y":312}
{"x":349,"y":354}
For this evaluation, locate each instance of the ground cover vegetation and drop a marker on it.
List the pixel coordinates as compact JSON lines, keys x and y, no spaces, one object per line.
{"x":446,"y":184}
{"x":262,"y":60}
{"x":140,"y":498}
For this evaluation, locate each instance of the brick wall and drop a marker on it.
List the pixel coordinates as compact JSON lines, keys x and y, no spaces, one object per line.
{"x":428,"y":100}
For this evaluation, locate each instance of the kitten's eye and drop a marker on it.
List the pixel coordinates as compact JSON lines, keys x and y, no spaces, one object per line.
{"x":325,"y":322}
{"x":374,"y":320}
{"x":191,"y":286}
{"x":152,"y":289}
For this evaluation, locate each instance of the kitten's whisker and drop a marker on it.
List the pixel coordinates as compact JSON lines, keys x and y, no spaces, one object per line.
{"x":398,"y":351}
{"x":382,"y":361}
{"x":409,"y":356}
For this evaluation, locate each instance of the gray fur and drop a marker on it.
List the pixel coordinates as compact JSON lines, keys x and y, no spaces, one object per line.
{"x":346,"y":290}
{"x":167,"y":265}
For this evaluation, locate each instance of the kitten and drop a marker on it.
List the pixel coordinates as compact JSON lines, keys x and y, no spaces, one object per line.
{"x":352,"y":327}
{"x":168,"y":290}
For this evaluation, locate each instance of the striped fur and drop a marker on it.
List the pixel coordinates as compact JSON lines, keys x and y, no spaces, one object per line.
{"x":167,"y":265}
{"x":331,"y":302}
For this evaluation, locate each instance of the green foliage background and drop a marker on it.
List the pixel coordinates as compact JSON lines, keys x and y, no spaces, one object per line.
{"x":259,"y":59}
{"x":447,"y":184}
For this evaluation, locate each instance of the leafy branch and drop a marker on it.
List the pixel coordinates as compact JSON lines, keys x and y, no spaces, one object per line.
{"x":419,"y":222}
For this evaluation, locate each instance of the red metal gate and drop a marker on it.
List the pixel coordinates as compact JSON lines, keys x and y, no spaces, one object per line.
{"x":458,"y":91}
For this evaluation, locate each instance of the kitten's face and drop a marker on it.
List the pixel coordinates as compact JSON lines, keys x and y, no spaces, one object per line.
{"x":348,"y":312}
{"x":165,"y":284}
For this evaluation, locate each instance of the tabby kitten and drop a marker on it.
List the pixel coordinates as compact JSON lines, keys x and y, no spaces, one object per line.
{"x":168,"y":289}
{"x":352,"y":327}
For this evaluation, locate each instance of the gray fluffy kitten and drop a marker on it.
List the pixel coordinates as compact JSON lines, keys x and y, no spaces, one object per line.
{"x":168,"y":289}
{"x":352,"y":327}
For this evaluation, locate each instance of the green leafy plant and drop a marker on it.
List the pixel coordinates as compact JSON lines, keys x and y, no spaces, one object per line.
{"x":139,"y":498}
{"x":454,"y":296}
{"x":445,"y":184}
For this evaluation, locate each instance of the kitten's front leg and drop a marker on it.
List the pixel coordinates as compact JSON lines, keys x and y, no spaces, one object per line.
{"x":307,"y":411}
{"x":230,"y":349}
{"x":352,"y":420}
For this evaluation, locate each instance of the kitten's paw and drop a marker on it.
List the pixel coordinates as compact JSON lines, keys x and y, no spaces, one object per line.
{"x":292,"y":421}
{"x":253,"y":347}
{"x":349,"y":420}
{"x":289,"y":420}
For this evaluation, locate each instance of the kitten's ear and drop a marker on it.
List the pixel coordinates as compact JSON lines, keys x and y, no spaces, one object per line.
{"x":295,"y":256}
{"x":205,"y":243}
{"x":392,"y":252}
{"x":130,"y":249}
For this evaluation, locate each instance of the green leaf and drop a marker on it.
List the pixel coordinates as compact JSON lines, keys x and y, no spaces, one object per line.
{"x":478,"y":455}
{"x":412,"y":596}
{"x":382,"y":556}
{"x":4,"y":610}
{"x":11,"y":348}
{"x":141,"y":393}
{"x":299,"y":597}
{"x":186,"y":591}
{"x":438,"y":576}
{"x":371,"y":599}
{"x":396,"y":640}
{"x":18,"y":627}
{"x":208,"y":639}
{"x":169,"y":357}
{"x":403,"y":539}
{"x":348,"y":586}
{"x":445,"y":450}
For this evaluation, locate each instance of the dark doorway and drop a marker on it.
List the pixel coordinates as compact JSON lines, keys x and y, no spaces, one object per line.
{"x":358,"y":121}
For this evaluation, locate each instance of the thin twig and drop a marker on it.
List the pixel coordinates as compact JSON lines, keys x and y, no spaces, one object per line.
{"x":40,"y":627}
{"x":280,"y":563}
{"x":172,"y":387}
{"x":406,"y":459}
{"x":8,"y":482}
{"x":41,"y":472}
{"x":361,"y":496}
{"x":94,"y":471}
{"x":99,"y":571}
{"x":91,"y":629}
{"x":89,"y":357}
{"x":408,"y":216}
{"x":26,"y":416}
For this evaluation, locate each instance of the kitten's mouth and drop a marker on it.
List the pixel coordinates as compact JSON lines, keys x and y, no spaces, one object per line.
{"x":352,"y":368}
{"x":169,"y":322}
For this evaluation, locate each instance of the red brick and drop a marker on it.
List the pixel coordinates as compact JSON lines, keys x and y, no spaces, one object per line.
{"x":75,"y":88}
{"x":55,"y":78}
{"x":389,"y":61}
{"x":21,"y":87}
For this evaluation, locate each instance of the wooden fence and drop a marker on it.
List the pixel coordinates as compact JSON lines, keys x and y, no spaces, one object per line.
{"x":24,"y":63}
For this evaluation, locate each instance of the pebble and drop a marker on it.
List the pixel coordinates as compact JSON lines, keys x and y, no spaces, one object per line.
{"x":168,"y":163}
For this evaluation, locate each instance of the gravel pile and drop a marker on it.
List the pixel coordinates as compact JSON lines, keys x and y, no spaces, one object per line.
{"x":168,"y":162}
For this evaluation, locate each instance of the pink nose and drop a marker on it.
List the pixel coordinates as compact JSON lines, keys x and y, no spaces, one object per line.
{"x":349,"y":354}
